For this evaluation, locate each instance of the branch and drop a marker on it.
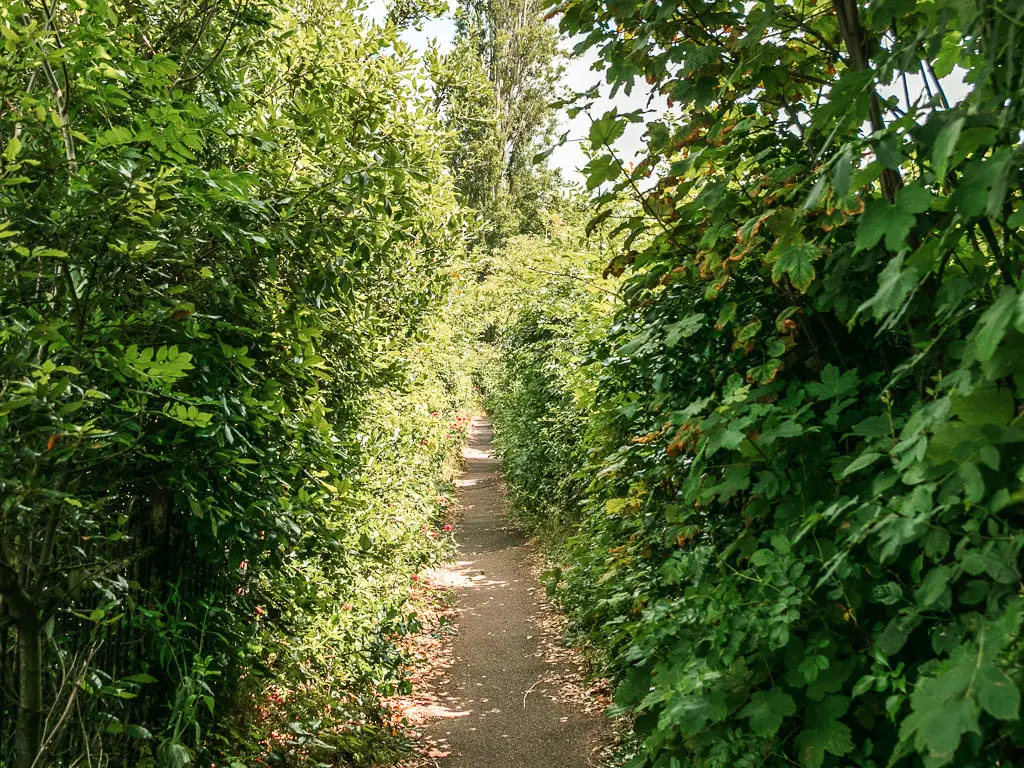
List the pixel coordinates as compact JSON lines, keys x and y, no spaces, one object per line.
{"x":59,"y":94}
{"x":21,"y":605}
{"x":220,"y":49}
{"x":574,"y":277}
{"x":855,"y":38}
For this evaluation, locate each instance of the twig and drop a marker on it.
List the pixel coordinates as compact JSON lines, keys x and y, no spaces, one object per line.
{"x":530,"y":690}
{"x":574,"y":277}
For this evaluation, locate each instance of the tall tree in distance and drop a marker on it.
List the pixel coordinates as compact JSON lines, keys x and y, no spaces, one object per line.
{"x":495,"y":90}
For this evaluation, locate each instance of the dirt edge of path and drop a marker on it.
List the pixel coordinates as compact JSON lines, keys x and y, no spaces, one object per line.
{"x":439,"y":599}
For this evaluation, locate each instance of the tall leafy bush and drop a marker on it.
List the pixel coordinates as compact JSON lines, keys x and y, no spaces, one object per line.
{"x":801,"y":543}
{"x":219,"y":225}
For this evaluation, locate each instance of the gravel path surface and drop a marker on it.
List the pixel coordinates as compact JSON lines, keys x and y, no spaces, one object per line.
{"x":504,"y":703}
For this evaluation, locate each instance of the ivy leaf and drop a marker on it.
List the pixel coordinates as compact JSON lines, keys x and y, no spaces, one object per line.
{"x":601,"y":169}
{"x":631,"y":346}
{"x":913,"y":198}
{"x":894,"y":283}
{"x":736,"y":479}
{"x":784,"y":429}
{"x":888,"y":152}
{"x":766,"y":711}
{"x":634,"y":687}
{"x":796,"y":261}
{"x":880,"y":220}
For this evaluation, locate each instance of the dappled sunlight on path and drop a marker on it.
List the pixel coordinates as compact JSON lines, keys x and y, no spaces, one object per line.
{"x":506,"y":697}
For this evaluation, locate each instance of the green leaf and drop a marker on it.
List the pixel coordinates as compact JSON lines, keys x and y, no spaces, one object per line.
{"x":832,"y":737}
{"x":833,"y":384}
{"x":984,"y":405}
{"x":767,"y":710}
{"x":865,"y":684}
{"x":177,"y":755}
{"x":762,"y":557}
{"x":735,"y":479}
{"x":12,"y":149}
{"x":945,"y":144}
{"x":601,"y":169}
{"x":894,"y":284}
{"x":633,"y":345}
{"x":606,"y":130}
{"x":683,"y":329}
{"x":933,"y":586}
{"x":862,"y":461}
{"x":939,"y":728}
{"x":997,"y":693}
{"x":726,"y":315}
{"x":749,"y":331}
{"x":142,"y":677}
{"x":815,"y":194}
{"x":796,"y":260}
{"x":882,"y":219}
{"x":914,"y":198}
{"x":941,"y":711}
{"x":841,"y":174}
{"x":138,"y":732}
{"x":782,"y":430}
{"x":894,"y":636}
{"x":888,"y":593}
{"x":974,"y":483}
{"x":993,"y":324}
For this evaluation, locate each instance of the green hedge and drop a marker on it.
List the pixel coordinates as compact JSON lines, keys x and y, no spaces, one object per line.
{"x":224,"y":228}
{"x":801,"y":540}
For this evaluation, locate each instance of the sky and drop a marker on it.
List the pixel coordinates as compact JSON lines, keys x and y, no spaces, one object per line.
{"x":568,"y":157}
{"x":579,"y":76}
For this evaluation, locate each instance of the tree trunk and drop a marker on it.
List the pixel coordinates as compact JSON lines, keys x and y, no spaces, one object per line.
{"x":28,"y":734}
{"x":856,"y":41}
{"x":23,"y":609}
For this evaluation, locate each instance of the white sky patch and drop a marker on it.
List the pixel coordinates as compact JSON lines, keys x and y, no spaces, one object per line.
{"x":439,"y":31}
{"x":579,"y":76}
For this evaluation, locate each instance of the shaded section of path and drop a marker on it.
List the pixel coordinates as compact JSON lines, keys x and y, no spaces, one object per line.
{"x":500,"y":705}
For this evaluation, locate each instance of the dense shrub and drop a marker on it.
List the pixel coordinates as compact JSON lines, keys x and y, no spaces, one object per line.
{"x":222,"y":230}
{"x":801,"y":540}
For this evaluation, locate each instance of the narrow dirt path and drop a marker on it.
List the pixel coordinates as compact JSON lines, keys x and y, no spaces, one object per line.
{"x":503,"y":702}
